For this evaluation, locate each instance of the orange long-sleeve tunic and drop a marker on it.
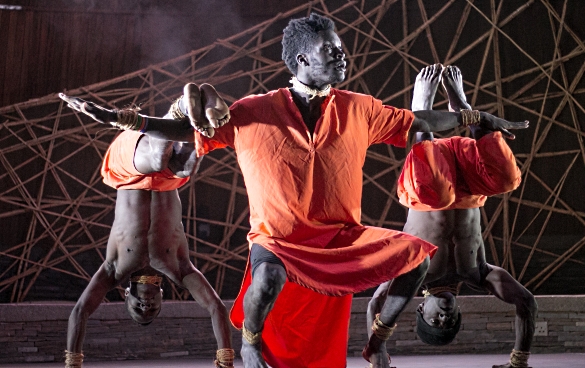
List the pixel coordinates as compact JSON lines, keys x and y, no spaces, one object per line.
{"x":457,"y":173}
{"x":118,"y":169}
{"x":304,"y":193}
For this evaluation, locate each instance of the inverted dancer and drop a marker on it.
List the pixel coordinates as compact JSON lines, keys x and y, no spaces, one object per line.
{"x":301,"y":151}
{"x":147,"y":238}
{"x":444,"y":182}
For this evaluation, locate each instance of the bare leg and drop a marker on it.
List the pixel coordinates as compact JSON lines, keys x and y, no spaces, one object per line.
{"x":391,"y":297}
{"x":375,"y":304}
{"x":453,"y":85}
{"x":268,"y":281}
{"x":184,"y":161}
{"x":401,"y":291}
{"x":152,"y":154}
{"x":425,"y":87}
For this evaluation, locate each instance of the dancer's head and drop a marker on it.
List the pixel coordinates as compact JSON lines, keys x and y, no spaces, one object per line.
{"x":438,"y":319}
{"x":144,"y":298}
{"x":311,"y":47}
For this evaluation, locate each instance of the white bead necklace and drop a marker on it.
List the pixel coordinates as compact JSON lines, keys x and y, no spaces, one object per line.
{"x":312,"y":92}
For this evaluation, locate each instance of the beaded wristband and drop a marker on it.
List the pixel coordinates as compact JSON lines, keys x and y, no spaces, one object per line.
{"x":224,"y":358}
{"x":251,"y":338}
{"x":73,"y":360}
{"x":519,"y":359}
{"x":382,"y":331}
{"x":175,"y":110}
{"x":469,"y":117}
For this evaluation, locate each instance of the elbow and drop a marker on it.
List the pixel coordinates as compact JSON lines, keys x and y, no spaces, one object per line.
{"x":216,"y":307}
{"x":218,"y":311}
{"x":420,"y":125}
{"x":527,"y":306}
{"x":532,"y":305}
{"x":78,"y":314}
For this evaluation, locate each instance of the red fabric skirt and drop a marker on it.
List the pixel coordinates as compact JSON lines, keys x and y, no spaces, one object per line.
{"x":308,"y":326}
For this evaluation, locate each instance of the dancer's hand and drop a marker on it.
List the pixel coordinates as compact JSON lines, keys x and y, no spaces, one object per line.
{"x":205,"y":108}
{"x":494,"y":123}
{"x":97,"y":113}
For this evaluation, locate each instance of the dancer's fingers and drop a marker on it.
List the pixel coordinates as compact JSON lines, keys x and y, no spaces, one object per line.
{"x":72,"y":102}
{"x":507,"y":134}
{"x":519,"y":124}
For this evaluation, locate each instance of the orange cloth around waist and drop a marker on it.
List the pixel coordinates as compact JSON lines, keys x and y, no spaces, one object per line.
{"x":319,"y":287}
{"x":355,"y":259}
{"x":118,"y":169}
{"x":488,"y":165}
{"x":457,"y":173}
{"x":428,"y":176}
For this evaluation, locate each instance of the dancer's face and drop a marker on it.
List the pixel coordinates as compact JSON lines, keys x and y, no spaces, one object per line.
{"x":324,"y":63}
{"x":440,"y":310}
{"x":143,"y":302}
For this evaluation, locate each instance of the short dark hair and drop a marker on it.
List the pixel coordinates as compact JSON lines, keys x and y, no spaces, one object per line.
{"x":298,"y":35}
{"x":435,"y":335}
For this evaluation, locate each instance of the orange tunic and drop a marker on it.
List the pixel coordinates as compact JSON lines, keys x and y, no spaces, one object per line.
{"x":119,"y":172}
{"x":305,"y":206}
{"x":457,"y":173}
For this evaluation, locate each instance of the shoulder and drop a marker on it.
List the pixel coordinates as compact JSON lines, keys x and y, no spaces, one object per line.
{"x":258,"y":107}
{"x":350,"y":97}
{"x":258,"y":100}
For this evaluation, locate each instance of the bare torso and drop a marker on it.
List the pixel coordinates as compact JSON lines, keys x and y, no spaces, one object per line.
{"x":148,"y":231}
{"x":457,"y":234}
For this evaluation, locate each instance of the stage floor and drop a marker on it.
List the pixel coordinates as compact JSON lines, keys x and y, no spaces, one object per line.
{"x":424,"y":361}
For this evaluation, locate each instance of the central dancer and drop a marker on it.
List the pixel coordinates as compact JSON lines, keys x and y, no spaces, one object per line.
{"x":301,"y":151}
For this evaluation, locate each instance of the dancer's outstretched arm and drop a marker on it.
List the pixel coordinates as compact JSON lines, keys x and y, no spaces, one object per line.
{"x":437,"y":121}
{"x":500,"y":283}
{"x":101,"y":282}
{"x":206,"y":111}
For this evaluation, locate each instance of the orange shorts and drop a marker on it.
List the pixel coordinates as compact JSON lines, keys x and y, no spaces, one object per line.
{"x":119,"y":172}
{"x":457,"y":173}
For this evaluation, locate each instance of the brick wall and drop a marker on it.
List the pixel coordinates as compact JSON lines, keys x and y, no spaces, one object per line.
{"x":37,"y":332}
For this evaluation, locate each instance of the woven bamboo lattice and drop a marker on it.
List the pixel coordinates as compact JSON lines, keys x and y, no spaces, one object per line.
{"x":50,"y":157}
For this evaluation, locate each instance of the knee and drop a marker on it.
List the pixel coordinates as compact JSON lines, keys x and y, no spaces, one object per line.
{"x":154,"y":153}
{"x":269,"y":279}
{"x":529,"y":304}
{"x":159,"y":163}
{"x":375,"y":305}
{"x":423,"y":267}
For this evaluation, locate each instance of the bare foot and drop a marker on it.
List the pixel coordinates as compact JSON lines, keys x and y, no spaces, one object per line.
{"x":207,"y":111}
{"x":375,"y":353}
{"x":252,"y":355}
{"x":453,"y":85}
{"x":425,"y":86}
